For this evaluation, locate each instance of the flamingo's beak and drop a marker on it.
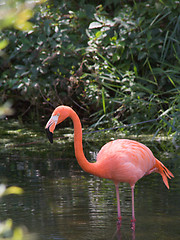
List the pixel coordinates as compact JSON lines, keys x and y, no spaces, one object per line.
{"x":49,"y":135}
{"x":50,"y":126}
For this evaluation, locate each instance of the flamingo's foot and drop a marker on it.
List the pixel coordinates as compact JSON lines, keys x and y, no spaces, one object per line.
{"x":133,"y":220}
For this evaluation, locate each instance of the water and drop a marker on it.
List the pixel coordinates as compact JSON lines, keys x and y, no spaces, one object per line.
{"x":60,"y":201}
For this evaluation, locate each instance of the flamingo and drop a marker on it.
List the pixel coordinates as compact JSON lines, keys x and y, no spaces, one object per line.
{"x":121,"y":160}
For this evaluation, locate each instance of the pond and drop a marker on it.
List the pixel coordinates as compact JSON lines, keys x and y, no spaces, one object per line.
{"x":61,"y":201}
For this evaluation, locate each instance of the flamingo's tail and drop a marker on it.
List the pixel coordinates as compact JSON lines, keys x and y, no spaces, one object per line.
{"x":164,"y":172}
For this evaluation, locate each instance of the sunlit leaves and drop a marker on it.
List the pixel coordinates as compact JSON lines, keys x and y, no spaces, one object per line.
{"x":10,"y":190}
{"x":6,"y":110}
{"x":17,"y":14}
{"x":21,"y":22}
{"x":3,"y":43}
{"x":13,"y":190}
{"x":8,"y":231}
{"x":95,"y":25}
{"x":6,"y":228}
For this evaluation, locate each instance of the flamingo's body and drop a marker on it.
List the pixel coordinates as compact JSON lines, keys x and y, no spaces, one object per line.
{"x":120,"y":160}
{"x":125,"y":160}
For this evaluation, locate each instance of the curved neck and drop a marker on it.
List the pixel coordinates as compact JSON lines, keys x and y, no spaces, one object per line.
{"x":83,"y":162}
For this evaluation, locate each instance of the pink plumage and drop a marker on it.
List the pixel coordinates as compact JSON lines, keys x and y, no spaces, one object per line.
{"x":125,"y":160}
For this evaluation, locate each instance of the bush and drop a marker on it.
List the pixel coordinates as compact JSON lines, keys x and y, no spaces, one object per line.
{"x":115,"y":62}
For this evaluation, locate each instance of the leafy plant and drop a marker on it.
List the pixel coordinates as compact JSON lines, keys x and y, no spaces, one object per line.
{"x":132,"y":58}
{"x":7,"y":231}
{"x":118,"y":63}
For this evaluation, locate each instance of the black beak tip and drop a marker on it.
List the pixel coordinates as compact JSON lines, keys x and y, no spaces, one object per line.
{"x":49,"y":135}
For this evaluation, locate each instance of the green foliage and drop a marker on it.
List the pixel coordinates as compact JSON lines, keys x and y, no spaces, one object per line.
{"x":136,"y":57}
{"x":16,"y":13}
{"x":38,"y":64}
{"x":117,"y":62}
{"x":10,"y":190}
{"x":7,"y":230}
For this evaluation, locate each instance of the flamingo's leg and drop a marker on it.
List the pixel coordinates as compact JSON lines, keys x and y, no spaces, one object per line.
{"x":118,"y":203}
{"x":133,"y":212}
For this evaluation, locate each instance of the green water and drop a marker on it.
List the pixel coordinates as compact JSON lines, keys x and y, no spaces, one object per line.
{"x":61,"y":201}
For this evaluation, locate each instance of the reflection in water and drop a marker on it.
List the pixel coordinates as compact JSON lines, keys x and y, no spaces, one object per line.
{"x":118,"y":233}
{"x":133,"y":230}
{"x":63,"y":202}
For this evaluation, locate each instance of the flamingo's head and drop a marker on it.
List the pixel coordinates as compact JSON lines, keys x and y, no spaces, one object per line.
{"x":58,"y":116}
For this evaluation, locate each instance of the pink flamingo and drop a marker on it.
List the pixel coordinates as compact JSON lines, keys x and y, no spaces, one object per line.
{"x":121,"y":160}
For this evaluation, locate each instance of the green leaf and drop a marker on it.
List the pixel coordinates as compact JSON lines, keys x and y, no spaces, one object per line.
{"x":103,"y":100}
{"x":21,"y":22}
{"x":13,"y":190}
{"x":95,"y":25}
{"x":47,"y":27}
{"x":98,"y":34}
{"x":3,"y":43}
